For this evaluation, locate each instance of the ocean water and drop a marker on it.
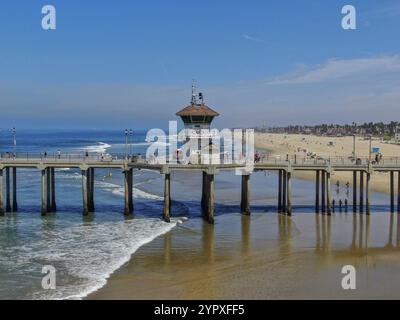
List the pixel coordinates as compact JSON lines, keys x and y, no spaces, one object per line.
{"x":86,"y":250}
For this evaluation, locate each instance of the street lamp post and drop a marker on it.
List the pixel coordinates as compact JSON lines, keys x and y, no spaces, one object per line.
{"x":370,"y":147}
{"x":14,"y":131}
{"x":131,"y":141}
{"x":126,"y":143}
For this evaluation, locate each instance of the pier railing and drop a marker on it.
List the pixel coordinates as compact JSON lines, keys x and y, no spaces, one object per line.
{"x":139,"y":158}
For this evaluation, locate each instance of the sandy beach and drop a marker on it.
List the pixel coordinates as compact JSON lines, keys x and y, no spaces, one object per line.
{"x":295,"y":144}
{"x":265,"y":256}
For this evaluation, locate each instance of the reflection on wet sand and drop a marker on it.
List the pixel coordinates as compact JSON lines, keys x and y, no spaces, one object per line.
{"x":361,"y":229}
{"x":246,"y":242}
{"x":265,"y":256}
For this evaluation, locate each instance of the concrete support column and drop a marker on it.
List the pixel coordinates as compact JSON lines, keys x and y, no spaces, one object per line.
{"x":48,"y":189}
{"x":14,"y":204}
{"x":210,"y":199}
{"x":361,"y":191}
{"x":91,"y":189}
{"x":392,"y":191}
{"x":398,"y":192}
{"x":284,"y":191}
{"x":167,"y":198}
{"x":245,"y":201}
{"x":354,"y":191}
{"x":368,"y":192}
{"x":323,"y":191}
{"x":203,"y":191}
{"x":280,"y":180}
{"x":44,"y":193}
{"x":206,"y":193}
{"x":85,"y":192}
{"x":53,"y":190}
{"x":2,"y":211}
{"x":328,"y":193}
{"x":289,"y":193}
{"x":128,"y":193}
{"x":317,"y":175}
{"x":8,"y":197}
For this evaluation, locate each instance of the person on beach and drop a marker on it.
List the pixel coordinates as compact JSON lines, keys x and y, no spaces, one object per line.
{"x":59,"y":154}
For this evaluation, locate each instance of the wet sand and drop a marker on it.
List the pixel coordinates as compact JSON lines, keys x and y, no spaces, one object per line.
{"x":265,"y":256}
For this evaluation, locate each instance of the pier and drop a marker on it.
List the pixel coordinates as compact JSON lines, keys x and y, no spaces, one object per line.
{"x":362,"y":171}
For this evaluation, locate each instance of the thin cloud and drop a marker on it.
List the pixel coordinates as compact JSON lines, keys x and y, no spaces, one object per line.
{"x":389,"y":11}
{"x":251,"y":38}
{"x":337,"y":69}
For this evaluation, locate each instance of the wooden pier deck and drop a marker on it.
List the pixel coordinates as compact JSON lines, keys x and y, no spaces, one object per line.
{"x":362,"y":170}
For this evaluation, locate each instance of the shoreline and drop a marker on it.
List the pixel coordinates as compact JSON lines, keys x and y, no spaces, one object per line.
{"x":276,"y":144}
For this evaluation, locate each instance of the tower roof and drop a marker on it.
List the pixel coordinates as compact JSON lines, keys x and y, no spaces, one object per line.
{"x":197,"y":110}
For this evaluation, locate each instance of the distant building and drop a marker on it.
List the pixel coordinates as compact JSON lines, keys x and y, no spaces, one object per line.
{"x":397,"y":138}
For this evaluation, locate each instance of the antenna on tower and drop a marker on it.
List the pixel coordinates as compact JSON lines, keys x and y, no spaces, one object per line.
{"x":194,"y":102}
{"x":201,"y":98}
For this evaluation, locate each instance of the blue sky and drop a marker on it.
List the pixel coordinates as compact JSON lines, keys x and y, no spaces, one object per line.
{"x":130,"y":63}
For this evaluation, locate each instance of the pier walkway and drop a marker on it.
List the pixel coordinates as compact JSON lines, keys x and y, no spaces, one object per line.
{"x":361,"y":168}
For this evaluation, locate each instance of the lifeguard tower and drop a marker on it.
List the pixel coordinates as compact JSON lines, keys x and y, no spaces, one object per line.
{"x":197,"y":118}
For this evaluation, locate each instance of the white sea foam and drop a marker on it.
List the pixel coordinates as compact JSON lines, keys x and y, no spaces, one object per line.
{"x":99,"y":148}
{"x":89,"y":254}
{"x":120,"y":191}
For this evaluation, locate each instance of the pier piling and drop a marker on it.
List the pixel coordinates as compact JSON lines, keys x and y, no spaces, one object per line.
{"x":289,"y":193}
{"x":203,"y":190}
{"x":398,"y":192}
{"x":44,"y":192}
{"x":14,"y":198}
{"x":323,"y":191}
{"x":1,"y":194}
{"x":85,"y":192}
{"x":167,"y":197}
{"x":361,"y":191}
{"x":280,"y":177}
{"x":53,"y":205}
{"x":354,"y":191}
{"x":91,"y":190}
{"x":128,"y":192}
{"x":8,"y":198}
{"x":48,"y":189}
{"x":284,"y":191}
{"x":328,"y":193}
{"x":368,"y":193}
{"x":245,"y":201}
{"x":392,"y":191}
{"x":317,"y":175}
{"x":208,"y":213}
